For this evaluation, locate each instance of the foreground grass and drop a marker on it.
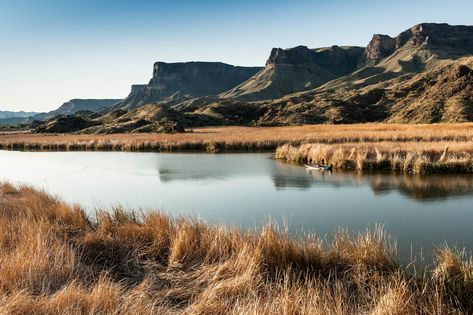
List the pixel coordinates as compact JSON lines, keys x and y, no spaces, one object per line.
{"x":399,"y":157}
{"x":231,"y":139}
{"x":56,"y":260}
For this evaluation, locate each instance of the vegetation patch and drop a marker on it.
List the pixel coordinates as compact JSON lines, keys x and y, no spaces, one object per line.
{"x":403,"y":157}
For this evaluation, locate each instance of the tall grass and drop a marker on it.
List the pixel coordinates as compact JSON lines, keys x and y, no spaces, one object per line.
{"x":226,"y":139}
{"x":56,"y":260}
{"x":398,"y":157}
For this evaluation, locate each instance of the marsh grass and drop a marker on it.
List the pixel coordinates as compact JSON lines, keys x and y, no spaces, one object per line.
{"x":56,"y":260}
{"x":398,"y":157}
{"x":239,"y":139}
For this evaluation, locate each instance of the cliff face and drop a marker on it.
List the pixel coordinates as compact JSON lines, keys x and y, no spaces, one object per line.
{"x":296,"y":69}
{"x":198,"y":78}
{"x":448,"y":40}
{"x":174,"y":82}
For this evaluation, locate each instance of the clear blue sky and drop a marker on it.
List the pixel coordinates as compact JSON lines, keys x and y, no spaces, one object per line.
{"x":55,"y":50}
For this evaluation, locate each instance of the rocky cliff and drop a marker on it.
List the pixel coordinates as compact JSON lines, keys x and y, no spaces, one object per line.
{"x":296,"y":69}
{"x":446,"y":40}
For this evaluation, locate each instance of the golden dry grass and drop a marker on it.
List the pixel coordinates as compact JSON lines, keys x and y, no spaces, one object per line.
{"x":56,"y":260}
{"x":223,"y":139}
{"x":421,"y":157}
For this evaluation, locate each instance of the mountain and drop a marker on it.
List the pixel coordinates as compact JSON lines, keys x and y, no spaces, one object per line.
{"x":11,"y":114}
{"x":420,"y":48}
{"x":77,"y":105}
{"x":297,"y":69}
{"x":13,"y":118}
{"x":422,"y":75}
{"x":68,"y":108}
{"x":175,"y":82}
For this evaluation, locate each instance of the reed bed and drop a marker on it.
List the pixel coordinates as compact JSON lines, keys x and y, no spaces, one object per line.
{"x":54,"y":259}
{"x":239,"y":139}
{"x":398,"y":157}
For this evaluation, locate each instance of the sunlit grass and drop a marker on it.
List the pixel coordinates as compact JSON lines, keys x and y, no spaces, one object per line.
{"x":225,"y":139}
{"x":421,"y":157}
{"x":56,"y":260}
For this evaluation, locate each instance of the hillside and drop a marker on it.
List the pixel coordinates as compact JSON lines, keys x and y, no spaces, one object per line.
{"x":444,"y":94}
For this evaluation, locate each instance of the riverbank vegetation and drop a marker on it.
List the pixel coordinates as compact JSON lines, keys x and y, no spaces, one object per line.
{"x":54,"y":259}
{"x":240,"y":139}
{"x":400,"y":157}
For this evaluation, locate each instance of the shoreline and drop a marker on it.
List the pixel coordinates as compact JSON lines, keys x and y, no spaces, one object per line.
{"x":412,"y":149}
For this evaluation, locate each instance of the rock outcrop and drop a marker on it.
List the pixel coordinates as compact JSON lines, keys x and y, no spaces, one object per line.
{"x":379,"y":47}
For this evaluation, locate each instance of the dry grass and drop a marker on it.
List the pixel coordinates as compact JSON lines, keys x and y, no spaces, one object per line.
{"x":240,"y":138}
{"x":400,"y":157}
{"x":55,"y":260}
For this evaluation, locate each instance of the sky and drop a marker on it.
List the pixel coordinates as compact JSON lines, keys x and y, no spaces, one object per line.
{"x":55,"y":50}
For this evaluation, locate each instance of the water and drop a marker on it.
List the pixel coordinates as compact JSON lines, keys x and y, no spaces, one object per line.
{"x":247,"y":189}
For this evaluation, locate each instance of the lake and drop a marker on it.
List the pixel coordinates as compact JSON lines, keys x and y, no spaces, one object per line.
{"x":246,"y":190}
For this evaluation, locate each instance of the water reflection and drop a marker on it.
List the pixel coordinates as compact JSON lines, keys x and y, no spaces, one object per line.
{"x":424,"y":188}
{"x":419,"y":188}
{"x":205,"y":167}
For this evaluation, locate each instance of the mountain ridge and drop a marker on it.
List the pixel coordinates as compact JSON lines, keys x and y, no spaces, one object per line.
{"x":422,"y":75}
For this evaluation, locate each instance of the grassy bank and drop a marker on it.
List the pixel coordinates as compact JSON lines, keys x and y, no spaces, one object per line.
{"x":56,"y":260}
{"x":421,"y":157}
{"x":236,"y":139}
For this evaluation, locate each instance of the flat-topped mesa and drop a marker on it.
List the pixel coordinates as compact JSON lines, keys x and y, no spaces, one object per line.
{"x":175,"y":82}
{"x":324,"y":57}
{"x":198,"y":78}
{"x":297,"y":69}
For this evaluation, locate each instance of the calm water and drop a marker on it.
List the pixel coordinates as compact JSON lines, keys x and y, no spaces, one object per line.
{"x":247,"y":189}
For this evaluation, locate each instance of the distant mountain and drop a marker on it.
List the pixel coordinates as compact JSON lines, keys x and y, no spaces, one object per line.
{"x":77,"y":105}
{"x":13,"y":118}
{"x":68,"y":108}
{"x":297,"y":69}
{"x":176,"y":82}
{"x":12,"y":114}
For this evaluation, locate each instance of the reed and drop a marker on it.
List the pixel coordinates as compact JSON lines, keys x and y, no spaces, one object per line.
{"x":399,"y":157}
{"x":239,"y":139}
{"x":54,"y":259}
